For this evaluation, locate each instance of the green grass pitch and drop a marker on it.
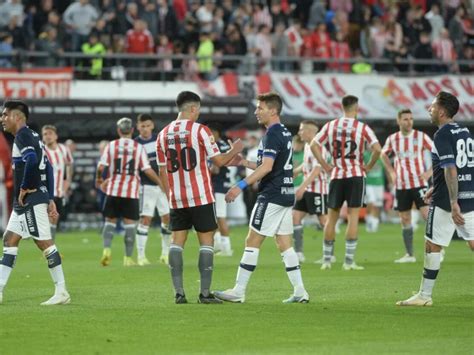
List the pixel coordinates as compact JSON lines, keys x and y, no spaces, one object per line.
{"x":117,"y":310}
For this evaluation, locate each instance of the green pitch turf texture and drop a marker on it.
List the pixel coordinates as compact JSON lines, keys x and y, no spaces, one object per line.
{"x":118,"y":310}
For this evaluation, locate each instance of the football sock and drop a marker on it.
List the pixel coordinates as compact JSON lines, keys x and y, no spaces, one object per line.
{"x":375,"y":224}
{"x":298,"y":237}
{"x":206,"y":264}
{"x":55,"y":268}
{"x":129,"y":239}
{"x":430,"y":272}
{"x":108,"y":234}
{"x":368,"y":222}
{"x":142,"y":237}
{"x":217,"y":241}
{"x":225,"y":243}
{"x":6,"y":265}
{"x":248,"y":263}
{"x":165,"y":239}
{"x":328,"y":250}
{"x":351,"y":245}
{"x":407,"y":232}
{"x":176,"y":267}
{"x":293,"y":270}
{"x":54,"y":227}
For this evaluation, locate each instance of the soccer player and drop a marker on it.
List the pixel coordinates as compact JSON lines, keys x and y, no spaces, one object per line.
{"x":183,"y":149}
{"x":124,"y":158}
{"x":221,"y":184}
{"x":311,"y":195}
{"x":409,"y":175}
{"x":33,"y":201}
{"x":452,"y":195}
{"x":61,"y":160}
{"x":272,"y":214}
{"x":152,"y":197}
{"x":345,"y":138}
{"x":374,"y":191}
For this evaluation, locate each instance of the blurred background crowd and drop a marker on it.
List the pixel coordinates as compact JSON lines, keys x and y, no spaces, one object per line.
{"x":261,"y":30}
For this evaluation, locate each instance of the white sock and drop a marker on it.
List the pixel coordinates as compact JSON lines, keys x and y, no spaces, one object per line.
{"x":142,"y":238}
{"x":293,"y":270}
{"x":55,"y":268}
{"x":225,"y":243}
{"x":217,"y":241}
{"x":248,"y":263}
{"x":368,"y":223}
{"x":165,"y":243}
{"x":6,"y":265}
{"x":432,"y":265}
{"x":375,"y":224}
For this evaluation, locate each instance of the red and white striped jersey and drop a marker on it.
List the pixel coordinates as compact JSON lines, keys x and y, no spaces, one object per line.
{"x":345,"y":139}
{"x":320,"y":184}
{"x":184,"y":147}
{"x":125,"y":158}
{"x":59,"y":158}
{"x":409,"y":158}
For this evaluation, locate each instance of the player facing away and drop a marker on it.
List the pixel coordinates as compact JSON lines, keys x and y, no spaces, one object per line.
{"x":221,"y":184}
{"x":183,"y":150}
{"x":60,"y":158}
{"x":152,"y":197}
{"x":345,"y":138}
{"x":409,"y":175}
{"x":124,"y":158}
{"x":452,"y":195}
{"x":33,"y":201}
{"x":272,"y":213}
{"x":311,"y":195}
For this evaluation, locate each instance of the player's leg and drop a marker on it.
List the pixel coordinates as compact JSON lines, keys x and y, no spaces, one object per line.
{"x":178,"y":240}
{"x":129,"y":210}
{"x":204,"y":222}
{"x":164,"y":213}
{"x":11,"y":240}
{"x":142,"y":238}
{"x":355,"y":196}
{"x":439,"y":230}
{"x":351,"y":239}
{"x":110,"y":215}
{"x":40,"y":229}
{"x":298,"y":216}
{"x":290,"y":258}
{"x":59,"y":202}
{"x":262,"y":223}
{"x":407,"y":234}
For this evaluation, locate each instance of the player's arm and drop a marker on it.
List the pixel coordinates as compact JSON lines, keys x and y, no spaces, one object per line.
{"x":451,"y":177}
{"x":376,"y":151}
{"x":223,"y":159}
{"x":153,"y":176}
{"x":164,"y":179}
{"x":309,"y":179}
{"x":52,"y":211}
{"x":318,"y":154}
{"x":238,"y":160}
{"x":389,"y":170}
{"x":258,"y":174}
{"x":298,"y":170}
{"x":99,"y":175}
{"x":30,"y":159}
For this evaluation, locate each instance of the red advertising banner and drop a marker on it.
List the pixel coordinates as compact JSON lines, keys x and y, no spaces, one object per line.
{"x":36,"y":83}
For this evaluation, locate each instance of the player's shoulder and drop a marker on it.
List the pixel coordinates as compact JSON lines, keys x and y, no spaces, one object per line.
{"x":26,"y":135}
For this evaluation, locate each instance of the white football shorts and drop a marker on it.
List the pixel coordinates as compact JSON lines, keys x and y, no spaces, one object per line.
{"x":374,"y":195}
{"x":269,"y":219}
{"x":151,"y":198}
{"x":221,"y":205}
{"x":440,"y":226}
{"x":33,"y":223}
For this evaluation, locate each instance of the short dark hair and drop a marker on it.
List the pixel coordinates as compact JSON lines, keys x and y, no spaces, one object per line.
{"x":348,"y":101}
{"x":272,"y":100}
{"x":143,"y":117}
{"x":449,"y":102}
{"x":309,"y":122}
{"x":17,"y":105}
{"x":215,"y":126}
{"x":50,"y":127}
{"x":403,"y":111}
{"x":186,"y":97}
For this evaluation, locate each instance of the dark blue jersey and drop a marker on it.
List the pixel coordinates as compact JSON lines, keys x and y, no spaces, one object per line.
{"x":150,"y":149}
{"x":277,"y":186}
{"x":453,"y":146}
{"x":28,"y":145}
{"x":221,"y":180}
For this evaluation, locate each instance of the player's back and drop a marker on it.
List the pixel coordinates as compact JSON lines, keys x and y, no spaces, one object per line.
{"x":319,"y":185}
{"x":150,"y":148}
{"x":454,"y":144}
{"x":346,"y":138}
{"x":125,"y":158}
{"x":59,"y":158}
{"x":28,"y":142}
{"x":277,"y":186}
{"x":184,"y":147}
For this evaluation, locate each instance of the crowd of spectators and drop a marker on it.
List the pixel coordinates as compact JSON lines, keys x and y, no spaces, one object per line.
{"x":262,"y":31}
